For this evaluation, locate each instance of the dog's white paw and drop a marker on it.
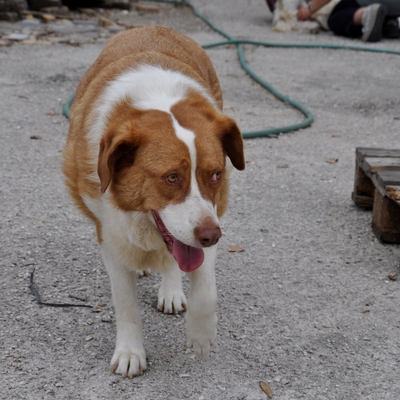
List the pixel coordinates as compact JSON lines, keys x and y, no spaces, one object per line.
{"x":201,"y":333}
{"x":128,"y":361}
{"x":171,"y":300}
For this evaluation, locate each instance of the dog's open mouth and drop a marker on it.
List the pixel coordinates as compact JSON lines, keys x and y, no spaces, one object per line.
{"x":189,"y":258}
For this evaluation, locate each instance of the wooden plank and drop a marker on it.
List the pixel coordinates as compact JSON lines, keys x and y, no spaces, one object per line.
{"x":387,"y":178}
{"x":377,"y":181}
{"x":364,"y":189}
{"x":384,"y":178}
{"x":363,"y":201}
{"x":377,"y":152}
{"x":372,"y":164}
{"x":363,"y":152}
{"x":386,"y":219}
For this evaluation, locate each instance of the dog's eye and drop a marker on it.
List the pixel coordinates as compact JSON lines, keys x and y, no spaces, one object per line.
{"x":172,"y":179}
{"x":216,"y":177}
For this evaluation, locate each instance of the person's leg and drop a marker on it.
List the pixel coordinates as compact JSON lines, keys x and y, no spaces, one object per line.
{"x":350,"y":20}
{"x":372,"y":19}
{"x":390,"y":28}
{"x":341,"y":20}
{"x":357,"y":18}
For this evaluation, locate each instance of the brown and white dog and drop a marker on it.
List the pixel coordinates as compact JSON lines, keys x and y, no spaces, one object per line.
{"x":147,"y":161}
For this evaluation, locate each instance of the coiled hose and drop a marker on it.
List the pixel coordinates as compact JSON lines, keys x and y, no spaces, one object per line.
{"x":309,"y":118}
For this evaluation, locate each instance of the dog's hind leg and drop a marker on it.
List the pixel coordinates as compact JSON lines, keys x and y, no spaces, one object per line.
{"x":129,"y":357}
{"x":201,"y":318}
{"x":171,"y":299}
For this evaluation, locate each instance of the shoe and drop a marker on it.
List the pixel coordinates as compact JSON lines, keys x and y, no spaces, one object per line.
{"x":390,"y":28}
{"x":372,"y":22}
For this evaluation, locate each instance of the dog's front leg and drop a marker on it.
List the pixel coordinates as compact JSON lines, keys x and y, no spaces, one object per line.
{"x":171,"y":299}
{"x":201,"y":318}
{"x":129,"y":357}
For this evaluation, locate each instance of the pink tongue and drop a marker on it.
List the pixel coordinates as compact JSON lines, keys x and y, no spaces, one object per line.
{"x":188,"y":258}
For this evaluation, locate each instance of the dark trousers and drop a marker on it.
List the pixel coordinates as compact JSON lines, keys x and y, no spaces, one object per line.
{"x":340,"y":21}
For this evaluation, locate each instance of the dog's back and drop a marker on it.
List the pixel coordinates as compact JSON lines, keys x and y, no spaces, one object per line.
{"x":152,"y":41}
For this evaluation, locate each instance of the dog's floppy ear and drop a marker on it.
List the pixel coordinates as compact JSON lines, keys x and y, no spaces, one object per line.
{"x":232,"y":141}
{"x":117,"y":150}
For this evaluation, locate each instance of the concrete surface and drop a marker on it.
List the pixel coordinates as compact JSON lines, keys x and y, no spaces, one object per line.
{"x":307,"y":307}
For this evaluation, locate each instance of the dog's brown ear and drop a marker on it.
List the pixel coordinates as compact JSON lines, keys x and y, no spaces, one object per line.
{"x":117,"y":151}
{"x":232,"y":141}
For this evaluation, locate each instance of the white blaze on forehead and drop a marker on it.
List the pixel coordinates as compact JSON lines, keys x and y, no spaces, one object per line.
{"x":187,"y":137}
{"x":181,"y":219}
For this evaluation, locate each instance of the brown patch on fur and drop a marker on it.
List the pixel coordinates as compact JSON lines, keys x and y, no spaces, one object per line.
{"x":77,"y":168}
{"x":217,"y":136}
{"x":137,"y":152}
{"x":169,"y":50}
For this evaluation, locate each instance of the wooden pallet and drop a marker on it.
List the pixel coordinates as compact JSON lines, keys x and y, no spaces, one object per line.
{"x":377,"y":186}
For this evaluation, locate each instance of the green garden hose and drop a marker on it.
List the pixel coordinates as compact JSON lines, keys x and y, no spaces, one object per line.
{"x":239,"y":43}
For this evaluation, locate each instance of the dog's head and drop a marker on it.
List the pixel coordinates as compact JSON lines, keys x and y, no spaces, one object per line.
{"x":172,"y":165}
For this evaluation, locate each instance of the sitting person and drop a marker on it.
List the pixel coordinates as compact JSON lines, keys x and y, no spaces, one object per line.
{"x":368,"y":19}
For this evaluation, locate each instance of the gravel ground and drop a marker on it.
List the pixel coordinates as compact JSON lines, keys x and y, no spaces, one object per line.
{"x":307,"y":307}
